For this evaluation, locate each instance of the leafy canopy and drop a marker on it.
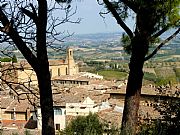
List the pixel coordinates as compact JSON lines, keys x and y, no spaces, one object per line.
{"x":152,"y":18}
{"x":85,"y":125}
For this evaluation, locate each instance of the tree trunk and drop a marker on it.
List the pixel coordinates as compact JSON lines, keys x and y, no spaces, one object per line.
{"x":43,"y":75}
{"x":39,"y":63}
{"x":46,"y":102}
{"x":133,"y":90}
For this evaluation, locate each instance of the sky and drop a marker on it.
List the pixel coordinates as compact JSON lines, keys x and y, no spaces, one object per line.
{"x":91,"y":21}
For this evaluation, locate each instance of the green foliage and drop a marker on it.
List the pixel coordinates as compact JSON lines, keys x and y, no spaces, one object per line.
{"x":150,"y":77}
{"x":173,"y":16}
{"x":14,"y":59}
{"x":112,"y":130}
{"x":5,"y":59}
{"x":155,"y":16}
{"x":8,"y":59}
{"x":27,"y":132}
{"x":126,"y":43}
{"x":154,"y":128}
{"x":15,"y":134}
{"x":170,"y":112}
{"x":165,"y":73}
{"x":151,"y":17}
{"x":96,"y":64}
{"x":84,"y":125}
{"x":177,"y":72}
{"x":121,"y":8}
{"x":165,"y":76}
{"x":162,"y":82}
{"x":112,"y":74}
{"x":155,"y":40}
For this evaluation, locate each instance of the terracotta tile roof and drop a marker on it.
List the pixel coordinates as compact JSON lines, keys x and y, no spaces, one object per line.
{"x":22,"y":64}
{"x":98,"y":99}
{"x":148,"y":112}
{"x":146,"y":90}
{"x":62,"y":99}
{"x":5,"y":102}
{"x":56,"y":62}
{"x":14,"y":123}
{"x":122,"y":90}
{"x":116,"y":102}
{"x":110,"y":116}
{"x":10,"y":105}
{"x":25,"y":65}
{"x":76,"y":77}
{"x":77,"y":95}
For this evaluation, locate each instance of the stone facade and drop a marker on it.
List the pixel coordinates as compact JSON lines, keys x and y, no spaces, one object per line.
{"x":23,"y":72}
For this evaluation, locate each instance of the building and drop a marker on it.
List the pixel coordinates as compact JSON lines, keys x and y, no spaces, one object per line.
{"x":70,"y":80}
{"x":68,"y":106}
{"x":16,"y":114}
{"x":82,"y":108}
{"x":22,"y":72}
{"x":59,"y":117}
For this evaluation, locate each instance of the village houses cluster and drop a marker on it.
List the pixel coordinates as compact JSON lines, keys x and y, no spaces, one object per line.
{"x":74,"y":93}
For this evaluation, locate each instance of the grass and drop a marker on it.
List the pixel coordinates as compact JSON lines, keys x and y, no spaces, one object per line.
{"x":113,"y":74}
{"x":165,"y":72}
{"x":166,"y":75}
{"x":177,"y":72}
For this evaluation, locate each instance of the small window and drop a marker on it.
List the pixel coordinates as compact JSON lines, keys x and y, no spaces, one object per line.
{"x":57,"y":112}
{"x":57,"y":126}
{"x":12,"y":116}
{"x":71,"y":106}
{"x":59,"y":71}
{"x":66,"y":71}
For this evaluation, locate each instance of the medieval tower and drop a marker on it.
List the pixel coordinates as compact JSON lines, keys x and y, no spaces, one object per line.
{"x":72,"y":67}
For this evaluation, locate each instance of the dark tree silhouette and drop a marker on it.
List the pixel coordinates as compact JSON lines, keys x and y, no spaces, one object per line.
{"x":31,"y":27}
{"x":152,"y":19}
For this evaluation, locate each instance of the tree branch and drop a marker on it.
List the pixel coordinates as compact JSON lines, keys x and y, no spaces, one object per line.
{"x":31,"y":15}
{"x":131,"y":4}
{"x":26,"y":90}
{"x":41,"y":31}
{"x":119,"y":20}
{"x":160,"y":32}
{"x":162,"y":44}
{"x":21,"y":45}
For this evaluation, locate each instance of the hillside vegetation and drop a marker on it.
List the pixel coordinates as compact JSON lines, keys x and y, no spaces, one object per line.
{"x":113,"y":74}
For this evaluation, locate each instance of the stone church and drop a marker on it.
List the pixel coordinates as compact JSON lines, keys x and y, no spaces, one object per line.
{"x":22,"y":72}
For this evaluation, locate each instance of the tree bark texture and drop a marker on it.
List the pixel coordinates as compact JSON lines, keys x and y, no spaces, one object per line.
{"x":43,"y":75}
{"x":133,"y":90}
{"x":39,"y":63}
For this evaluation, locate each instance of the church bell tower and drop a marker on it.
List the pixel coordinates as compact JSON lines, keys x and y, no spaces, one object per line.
{"x":70,"y":62}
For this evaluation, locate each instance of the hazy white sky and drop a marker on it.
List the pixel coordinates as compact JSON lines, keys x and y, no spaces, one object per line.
{"x":91,"y":22}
